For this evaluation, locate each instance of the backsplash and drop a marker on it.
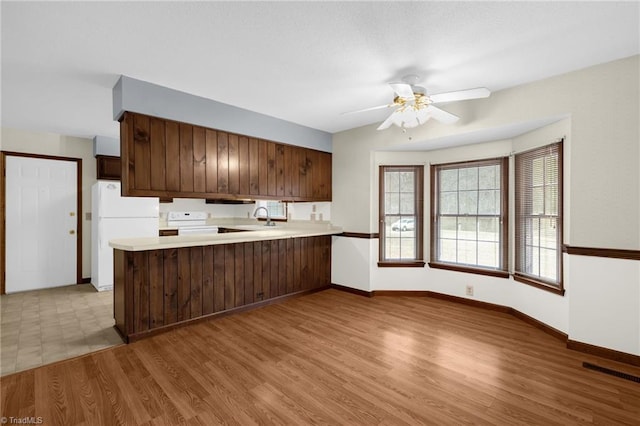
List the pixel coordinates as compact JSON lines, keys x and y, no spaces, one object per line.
{"x":297,"y":211}
{"x":214,"y":210}
{"x":305,"y":211}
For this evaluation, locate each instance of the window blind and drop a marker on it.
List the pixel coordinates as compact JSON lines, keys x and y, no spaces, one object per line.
{"x":538,"y":211}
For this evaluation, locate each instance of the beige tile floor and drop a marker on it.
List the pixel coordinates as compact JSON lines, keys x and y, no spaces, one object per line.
{"x":43,"y":326}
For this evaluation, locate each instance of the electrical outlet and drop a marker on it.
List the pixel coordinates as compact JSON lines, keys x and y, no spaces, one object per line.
{"x":469,"y":290}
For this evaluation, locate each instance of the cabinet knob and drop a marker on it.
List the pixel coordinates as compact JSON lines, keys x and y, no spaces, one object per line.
{"x":72,"y":232}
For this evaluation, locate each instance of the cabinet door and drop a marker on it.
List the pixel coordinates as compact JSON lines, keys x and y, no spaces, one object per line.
{"x":234,"y":171}
{"x":279,"y":170}
{"x":157,"y":137}
{"x":108,"y":167}
{"x":211,"y":148}
{"x":141,"y":153}
{"x":186,"y":158}
{"x":313,"y":174}
{"x":287,"y":172}
{"x":223,"y":163}
{"x":126,"y":137}
{"x":303,"y":175}
{"x":172,"y":156}
{"x":294,"y":170}
{"x":325,"y":176}
{"x":243,"y":165}
{"x":254,"y":166}
{"x":271,"y":169}
{"x":199,"y":160}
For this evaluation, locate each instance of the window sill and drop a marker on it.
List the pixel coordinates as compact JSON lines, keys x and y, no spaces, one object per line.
{"x":470,"y":270}
{"x":555,"y":289}
{"x":401,"y":264}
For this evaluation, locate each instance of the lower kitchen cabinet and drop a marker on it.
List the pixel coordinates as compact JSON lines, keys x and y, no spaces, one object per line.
{"x":155,"y":290}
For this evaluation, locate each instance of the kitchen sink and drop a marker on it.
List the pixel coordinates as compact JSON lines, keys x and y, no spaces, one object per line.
{"x":253,"y":227}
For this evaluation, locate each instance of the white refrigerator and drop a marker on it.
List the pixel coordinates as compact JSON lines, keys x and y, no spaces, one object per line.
{"x":114,"y":216}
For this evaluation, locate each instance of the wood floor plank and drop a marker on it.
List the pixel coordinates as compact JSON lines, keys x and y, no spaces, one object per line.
{"x":94,"y":400}
{"x":19,"y":390}
{"x":66,"y":409}
{"x":332,"y":358}
{"x":114,"y":406}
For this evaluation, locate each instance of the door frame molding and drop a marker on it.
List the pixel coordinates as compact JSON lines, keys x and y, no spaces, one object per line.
{"x":3,"y":209}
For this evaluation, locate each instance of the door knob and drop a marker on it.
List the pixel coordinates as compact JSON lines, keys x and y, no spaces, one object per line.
{"x":72,"y":232}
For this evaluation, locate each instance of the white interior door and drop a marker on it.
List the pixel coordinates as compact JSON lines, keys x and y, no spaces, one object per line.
{"x":41,"y":222}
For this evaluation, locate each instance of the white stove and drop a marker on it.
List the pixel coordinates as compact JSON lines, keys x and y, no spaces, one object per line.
{"x":189,"y":223}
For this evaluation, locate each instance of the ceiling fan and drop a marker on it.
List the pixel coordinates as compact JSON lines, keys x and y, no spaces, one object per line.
{"x":413,"y":106}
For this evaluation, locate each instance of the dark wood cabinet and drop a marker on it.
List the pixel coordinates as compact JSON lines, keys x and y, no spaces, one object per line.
{"x":164,"y":158}
{"x":158,"y":289}
{"x":108,"y":167}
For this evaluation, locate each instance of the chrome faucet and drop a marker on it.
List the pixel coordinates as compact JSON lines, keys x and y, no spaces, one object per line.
{"x":269,"y":222}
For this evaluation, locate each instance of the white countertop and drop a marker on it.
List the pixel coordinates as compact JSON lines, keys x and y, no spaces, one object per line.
{"x":176,"y":241}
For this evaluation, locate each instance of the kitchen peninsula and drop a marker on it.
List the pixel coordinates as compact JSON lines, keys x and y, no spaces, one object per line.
{"x":163,"y":282}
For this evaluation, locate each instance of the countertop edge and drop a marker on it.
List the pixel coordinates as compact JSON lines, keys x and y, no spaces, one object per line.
{"x":174,"y":241}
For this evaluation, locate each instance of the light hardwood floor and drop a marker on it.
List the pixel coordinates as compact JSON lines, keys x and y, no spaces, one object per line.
{"x":333,"y":358}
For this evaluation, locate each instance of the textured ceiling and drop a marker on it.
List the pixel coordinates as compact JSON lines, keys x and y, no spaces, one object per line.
{"x":305,"y":62}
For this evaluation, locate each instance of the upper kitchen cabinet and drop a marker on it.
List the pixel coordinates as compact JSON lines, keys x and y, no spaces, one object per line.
{"x":165,"y":158}
{"x":108,"y":167}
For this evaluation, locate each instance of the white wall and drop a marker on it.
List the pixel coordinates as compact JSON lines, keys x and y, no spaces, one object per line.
{"x":63,"y":146}
{"x":602,"y":102}
{"x":601,"y":208}
{"x":314,"y":211}
{"x":351,"y":262}
{"x":604,"y":302}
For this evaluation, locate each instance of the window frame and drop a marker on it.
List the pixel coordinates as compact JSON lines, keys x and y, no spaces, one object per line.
{"x":523,"y":277}
{"x":503,"y":270}
{"x":419,"y":217}
{"x":268,"y":204}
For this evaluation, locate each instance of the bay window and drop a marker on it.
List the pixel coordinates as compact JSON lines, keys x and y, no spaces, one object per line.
{"x":538,"y":230}
{"x":401,"y":218}
{"x":469,"y":216}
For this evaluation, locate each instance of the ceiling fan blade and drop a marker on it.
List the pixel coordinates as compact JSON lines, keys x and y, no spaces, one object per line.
{"x":461,"y":95}
{"x":388,"y":122}
{"x":441,"y":115}
{"x":403,"y":90}
{"x":367,"y":109}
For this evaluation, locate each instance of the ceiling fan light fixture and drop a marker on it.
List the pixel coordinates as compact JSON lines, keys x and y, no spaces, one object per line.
{"x":423,"y":115}
{"x":409,"y":117}
{"x":413,"y":106}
